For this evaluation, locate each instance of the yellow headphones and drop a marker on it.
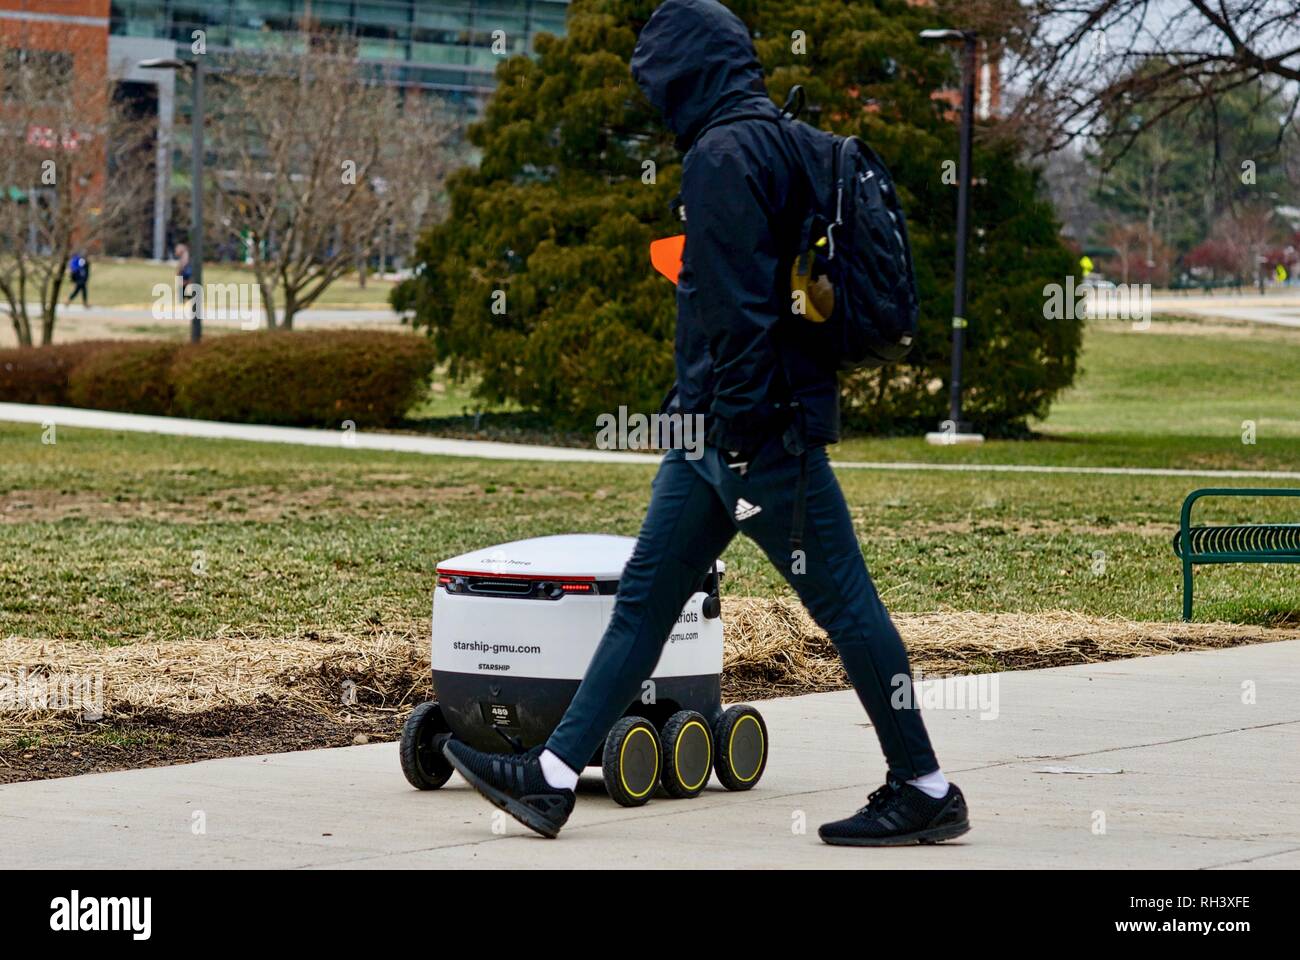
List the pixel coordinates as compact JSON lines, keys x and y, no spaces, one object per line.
{"x":813,"y":297}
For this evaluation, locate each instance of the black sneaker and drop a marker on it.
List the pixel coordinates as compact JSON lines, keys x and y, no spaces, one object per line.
{"x":514,"y":783}
{"x":899,"y":814}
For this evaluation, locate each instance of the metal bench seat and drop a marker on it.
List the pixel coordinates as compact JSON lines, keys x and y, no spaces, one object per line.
{"x":1236,"y":542}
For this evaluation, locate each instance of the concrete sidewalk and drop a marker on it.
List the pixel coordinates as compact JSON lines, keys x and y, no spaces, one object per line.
{"x":39,"y":416}
{"x":1280,"y":307}
{"x":311,"y":437}
{"x":1163,"y":749}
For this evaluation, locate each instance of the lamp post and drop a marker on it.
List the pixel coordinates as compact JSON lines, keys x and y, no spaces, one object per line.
{"x":195,"y":67}
{"x":954,"y":430}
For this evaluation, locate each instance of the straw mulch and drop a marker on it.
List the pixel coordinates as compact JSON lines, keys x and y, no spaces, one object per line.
{"x":772,"y":647}
{"x":374,"y":669}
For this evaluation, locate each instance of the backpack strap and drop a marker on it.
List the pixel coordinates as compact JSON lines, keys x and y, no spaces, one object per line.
{"x":794,"y":102}
{"x":797,"y":436}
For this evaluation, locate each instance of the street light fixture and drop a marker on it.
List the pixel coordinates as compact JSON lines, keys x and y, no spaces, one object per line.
{"x":945,"y":35}
{"x":954,"y":430}
{"x":196,"y":180}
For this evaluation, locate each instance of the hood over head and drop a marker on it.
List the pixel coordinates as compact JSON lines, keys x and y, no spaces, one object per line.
{"x":695,"y":63}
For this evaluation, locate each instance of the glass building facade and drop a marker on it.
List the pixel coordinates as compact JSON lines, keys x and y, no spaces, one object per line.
{"x":440,"y":45}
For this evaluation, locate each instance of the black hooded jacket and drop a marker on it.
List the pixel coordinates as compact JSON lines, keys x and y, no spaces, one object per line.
{"x":742,"y":356}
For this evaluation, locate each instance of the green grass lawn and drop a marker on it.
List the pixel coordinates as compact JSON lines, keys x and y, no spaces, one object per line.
{"x":130,"y":283}
{"x":1172,"y":380}
{"x":1175,"y":395}
{"x":102,"y":530}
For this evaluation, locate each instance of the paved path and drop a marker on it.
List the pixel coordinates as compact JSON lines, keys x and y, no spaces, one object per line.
{"x":1159,"y":750}
{"x":494,"y":450}
{"x":115,"y":323}
{"x":1281,"y":309}
{"x":358,"y":439}
{"x":220,"y":316}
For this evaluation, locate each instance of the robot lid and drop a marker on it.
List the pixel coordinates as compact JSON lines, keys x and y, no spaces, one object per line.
{"x":596,"y":556}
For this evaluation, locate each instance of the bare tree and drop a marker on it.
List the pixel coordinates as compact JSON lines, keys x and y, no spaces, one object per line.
{"x":1291,"y":159}
{"x":1072,"y":185}
{"x":1247,"y":234}
{"x":317,"y":160}
{"x":1081,"y":65}
{"x":1130,"y":243}
{"x":56,"y":147}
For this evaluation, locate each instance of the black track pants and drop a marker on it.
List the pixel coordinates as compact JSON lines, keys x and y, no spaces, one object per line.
{"x":695,"y":510}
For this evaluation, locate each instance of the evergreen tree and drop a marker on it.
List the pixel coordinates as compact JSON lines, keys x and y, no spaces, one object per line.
{"x":540,"y":284}
{"x":1181,"y":174}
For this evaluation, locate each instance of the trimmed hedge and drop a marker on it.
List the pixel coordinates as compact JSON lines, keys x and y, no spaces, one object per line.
{"x":40,"y":374}
{"x":313,"y":378}
{"x":130,"y":377}
{"x":320,"y":378}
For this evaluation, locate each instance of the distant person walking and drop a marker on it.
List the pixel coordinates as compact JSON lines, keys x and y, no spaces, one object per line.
{"x":184,"y":270}
{"x":79,"y":271}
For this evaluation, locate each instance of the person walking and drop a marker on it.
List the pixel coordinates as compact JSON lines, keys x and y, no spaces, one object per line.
{"x":185,"y":274}
{"x":79,"y":271}
{"x":770,"y":403}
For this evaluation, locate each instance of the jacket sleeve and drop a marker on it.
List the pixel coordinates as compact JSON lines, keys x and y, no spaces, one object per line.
{"x":733,"y":258}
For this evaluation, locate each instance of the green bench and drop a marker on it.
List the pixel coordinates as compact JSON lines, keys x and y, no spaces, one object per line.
{"x":1233,"y":543}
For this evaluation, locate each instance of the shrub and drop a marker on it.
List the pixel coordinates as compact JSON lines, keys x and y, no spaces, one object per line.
{"x":40,"y":374}
{"x":557,"y":217}
{"x":317,"y":378}
{"x":129,"y":376}
{"x":320,"y":378}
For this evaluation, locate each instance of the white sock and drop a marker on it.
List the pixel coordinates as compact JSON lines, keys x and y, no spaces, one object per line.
{"x":934,"y":785}
{"x":557,"y":773}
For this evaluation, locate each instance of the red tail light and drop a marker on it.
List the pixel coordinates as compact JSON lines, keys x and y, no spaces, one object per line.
{"x":514,"y":585}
